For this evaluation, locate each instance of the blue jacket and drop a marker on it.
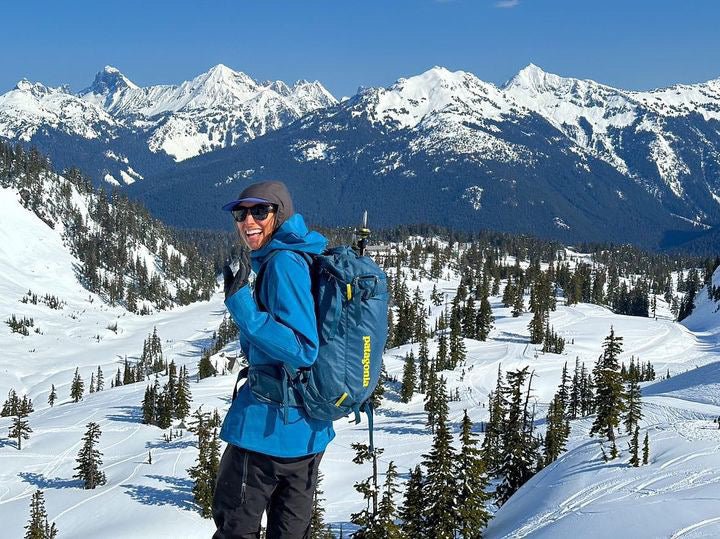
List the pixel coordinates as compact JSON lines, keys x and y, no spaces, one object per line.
{"x":286,"y":333}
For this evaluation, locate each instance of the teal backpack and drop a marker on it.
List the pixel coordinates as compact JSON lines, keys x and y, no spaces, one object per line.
{"x":351,"y":304}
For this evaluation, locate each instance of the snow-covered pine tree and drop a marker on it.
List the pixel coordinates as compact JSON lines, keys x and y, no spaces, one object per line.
{"x":610,"y":395}
{"x":472,"y":480}
{"x":38,"y":526}
{"x":440,"y":489}
{"x":89,"y":459}
{"x":77,"y":387}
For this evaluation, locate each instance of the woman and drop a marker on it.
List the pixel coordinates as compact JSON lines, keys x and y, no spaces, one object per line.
{"x":272,"y":458}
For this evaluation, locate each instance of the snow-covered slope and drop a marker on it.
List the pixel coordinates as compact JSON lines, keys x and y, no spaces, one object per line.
{"x":579,"y":494}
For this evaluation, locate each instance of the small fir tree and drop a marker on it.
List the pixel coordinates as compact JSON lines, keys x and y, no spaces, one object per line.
{"x":409,"y":378}
{"x":52,"y":397}
{"x":89,"y":459}
{"x":646,"y":449}
{"x":472,"y":481}
{"x":38,"y":526}
{"x":412,"y":511}
{"x":77,"y":387}
{"x":19,"y":430}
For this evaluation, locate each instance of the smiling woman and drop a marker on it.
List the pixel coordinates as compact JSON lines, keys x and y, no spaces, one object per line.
{"x":272,"y":458}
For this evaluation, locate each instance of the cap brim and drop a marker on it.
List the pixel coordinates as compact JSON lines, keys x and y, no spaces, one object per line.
{"x":230,"y":206}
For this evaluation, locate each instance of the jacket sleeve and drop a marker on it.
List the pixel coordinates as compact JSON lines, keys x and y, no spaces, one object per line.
{"x":288,"y":331}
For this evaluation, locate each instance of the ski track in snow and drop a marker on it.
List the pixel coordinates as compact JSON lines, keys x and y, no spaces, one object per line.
{"x":697,"y":526}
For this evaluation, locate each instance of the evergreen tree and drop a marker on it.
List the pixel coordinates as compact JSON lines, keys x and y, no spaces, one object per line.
{"x":633,"y":406}
{"x":646,"y":449}
{"x":19,"y":430}
{"x":100,"y":380}
{"x":472,"y":480}
{"x":412,"y":510}
{"x":558,"y":430}
{"x":38,"y":526}
{"x":89,"y":459}
{"x":205,"y":366}
{"x":495,"y":428}
{"x":11,"y":404}
{"x":409,"y":378}
{"x":484,"y":321}
{"x":519,"y":447}
{"x":204,"y":473}
{"x":440,"y":490}
{"x":52,"y":397}
{"x":634,"y":447}
{"x":366,"y":519}
{"x":609,"y":397}
{"x":537,"y":327}
{"x":77,"y":387}
{"x":518,"y":306}
{"x":183,"y":397}
{"x":441,"y":359}
{"x":92,"y":383}
{"x":424,"y":360}
{"x":318,"y":528}
{"x":386,"y":508}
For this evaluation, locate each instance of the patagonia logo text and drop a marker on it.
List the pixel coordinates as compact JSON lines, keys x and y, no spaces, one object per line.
{"x":366,"y":360}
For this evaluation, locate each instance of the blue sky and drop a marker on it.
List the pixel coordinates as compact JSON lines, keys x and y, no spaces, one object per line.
{"x":634,"y":44}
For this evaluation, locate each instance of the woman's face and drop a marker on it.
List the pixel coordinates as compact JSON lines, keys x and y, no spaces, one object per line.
{"x":254,"y":231}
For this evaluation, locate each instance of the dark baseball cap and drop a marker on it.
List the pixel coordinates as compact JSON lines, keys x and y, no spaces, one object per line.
{"x":271,"y":192}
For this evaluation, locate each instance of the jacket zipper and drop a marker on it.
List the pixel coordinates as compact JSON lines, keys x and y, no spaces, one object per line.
{"x":244,"y":477}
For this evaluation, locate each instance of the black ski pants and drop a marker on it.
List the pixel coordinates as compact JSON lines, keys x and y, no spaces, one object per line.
{"x":250,"y":483}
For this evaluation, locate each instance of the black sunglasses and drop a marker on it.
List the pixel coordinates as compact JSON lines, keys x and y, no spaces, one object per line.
{"x":259,"y":212}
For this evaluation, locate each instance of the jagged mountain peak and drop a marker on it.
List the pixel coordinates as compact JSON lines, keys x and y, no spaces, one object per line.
{"x":108,"y":81}
{"x":37,"y":89}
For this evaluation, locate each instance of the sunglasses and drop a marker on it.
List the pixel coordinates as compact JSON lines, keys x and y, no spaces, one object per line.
{"x":259,"y":212}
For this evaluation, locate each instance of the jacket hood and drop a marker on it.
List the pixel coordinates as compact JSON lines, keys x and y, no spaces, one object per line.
{"x":293,"y":235}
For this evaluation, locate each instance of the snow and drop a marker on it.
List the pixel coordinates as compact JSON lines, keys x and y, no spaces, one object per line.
{"x":674,"y":496}
{"x":473,"y":195}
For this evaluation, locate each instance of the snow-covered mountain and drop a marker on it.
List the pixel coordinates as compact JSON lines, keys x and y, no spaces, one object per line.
{"x":215,"y":109}
{"x":666,"y":140}
{"x":484,"y":158}
{"x":124,"y":127}
{"x":547,"y":154}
